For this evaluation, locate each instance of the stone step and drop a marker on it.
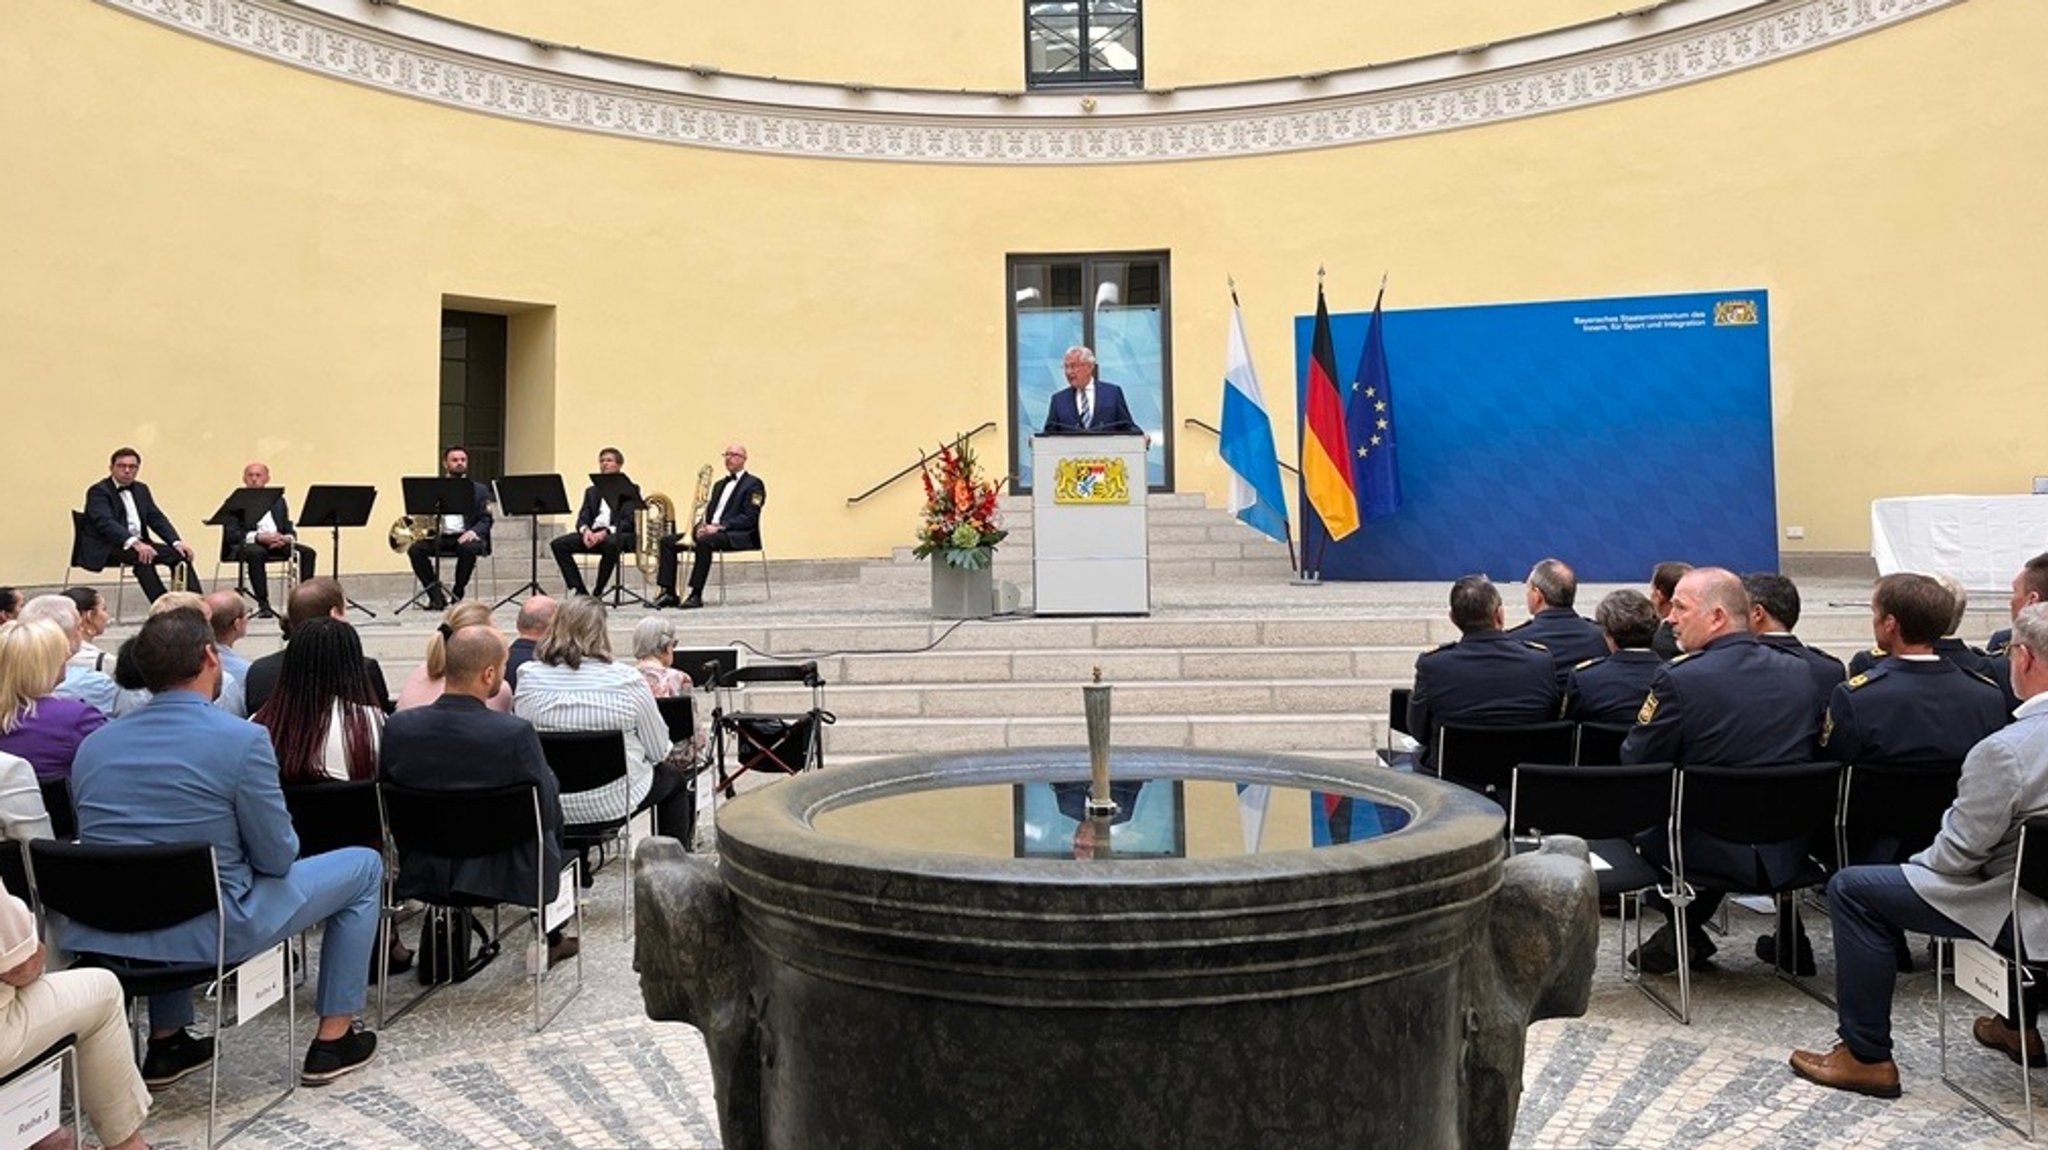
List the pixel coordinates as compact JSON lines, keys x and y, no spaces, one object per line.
{"x":910,"y":700}
{"x":1121,"y":665}
{"x":1350,"y":732}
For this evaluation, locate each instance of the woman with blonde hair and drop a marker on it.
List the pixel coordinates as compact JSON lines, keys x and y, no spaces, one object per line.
{"x":35,"y":724}
{"x":429,"y":679}
{"x":572,"y":684}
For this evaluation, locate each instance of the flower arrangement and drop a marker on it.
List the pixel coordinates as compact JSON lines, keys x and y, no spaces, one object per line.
{"x":960,"y":525}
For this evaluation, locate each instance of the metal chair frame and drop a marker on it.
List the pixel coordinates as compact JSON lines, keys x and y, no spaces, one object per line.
{"x":2029,"y":874}
{"x":556,"y":747}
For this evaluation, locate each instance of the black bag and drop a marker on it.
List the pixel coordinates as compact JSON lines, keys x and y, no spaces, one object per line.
{"x":453,"y":946}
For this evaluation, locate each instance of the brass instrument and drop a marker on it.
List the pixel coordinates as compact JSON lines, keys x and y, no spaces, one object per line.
{"x":654,"y":518}
{"x":410,"y":529}
{"x":700,"y":501}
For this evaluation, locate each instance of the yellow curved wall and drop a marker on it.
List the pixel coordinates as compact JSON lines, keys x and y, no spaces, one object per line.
{"x":215,"y":257}
{"x":955,"y":44}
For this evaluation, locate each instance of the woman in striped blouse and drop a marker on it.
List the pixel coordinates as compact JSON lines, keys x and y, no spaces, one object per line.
{"x":572,"y":684}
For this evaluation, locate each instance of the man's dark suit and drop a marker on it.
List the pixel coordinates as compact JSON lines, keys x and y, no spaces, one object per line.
{"x":741,"y":531}
{"x":617,"y":539}
{"x":106,"y":533}
{"x":422,"y":553}
{"x":1570,"y":638}
{"x":263,"y":674}
{"x":457,"y":743}
{"x":239,"y":546}
{"x":517,"y":655}
{"x":1111,"y":413}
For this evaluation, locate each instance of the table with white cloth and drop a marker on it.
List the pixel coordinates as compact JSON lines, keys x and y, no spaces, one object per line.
{"x":1980,"y":539}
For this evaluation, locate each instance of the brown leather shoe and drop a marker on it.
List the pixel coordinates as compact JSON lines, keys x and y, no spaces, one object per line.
{"x":1844,"y":1071}
{"x":1992,"y":1031}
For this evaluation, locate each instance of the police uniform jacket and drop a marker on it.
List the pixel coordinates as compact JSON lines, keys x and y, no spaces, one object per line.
{"x":1926,"y":711}
{"x":1825,"y":670}
{"x":1735,"y":702}
{"x":1951,"y":648}
{"x":1570,"y":638}
{"x":1486,"y":679}
{"x":1665,"y":641}
{"x":1998,"y":642}
{"x":1610,"y":690}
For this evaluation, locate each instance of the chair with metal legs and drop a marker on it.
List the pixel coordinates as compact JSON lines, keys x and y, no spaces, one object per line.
{"x":2008,"y":968}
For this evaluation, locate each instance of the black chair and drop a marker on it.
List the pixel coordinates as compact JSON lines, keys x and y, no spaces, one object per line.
{"x":57,"y":801}
{"x":773,"y":743}
{"x":469,"y":824}
{"x":330,"y":816}
{"x":1607,"y":806}
{"x":2021,"y":970}
{"x":1600,"y":744}
{"x":585,"y":761}
{"x":141,"y":888}
{"x":77,"y":563}
{"x":14,"y":874}
{"x":1761,"y":806}
{"x":704,"y":665}
{"x":1891,"y":811}
{"x":1483,"y":759}
{"x":680,"y":713}
{"x":63,"y":1048}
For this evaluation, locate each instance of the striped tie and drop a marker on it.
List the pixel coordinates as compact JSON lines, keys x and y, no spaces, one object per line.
{"x":1087,"y":411}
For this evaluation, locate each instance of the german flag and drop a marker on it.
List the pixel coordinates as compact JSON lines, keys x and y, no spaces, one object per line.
{"x":1325,"y":446}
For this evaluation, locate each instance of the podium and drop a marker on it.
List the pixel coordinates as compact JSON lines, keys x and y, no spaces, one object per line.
{"x":1088,"y":526}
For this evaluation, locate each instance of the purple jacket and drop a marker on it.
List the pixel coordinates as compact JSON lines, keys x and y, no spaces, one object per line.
{"x":49,"y":738}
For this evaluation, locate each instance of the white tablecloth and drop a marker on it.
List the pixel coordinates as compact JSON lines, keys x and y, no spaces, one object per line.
{"x":1982,"y":540}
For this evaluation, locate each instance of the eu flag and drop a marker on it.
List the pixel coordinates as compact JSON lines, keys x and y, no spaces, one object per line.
{"x":1369,"y":419}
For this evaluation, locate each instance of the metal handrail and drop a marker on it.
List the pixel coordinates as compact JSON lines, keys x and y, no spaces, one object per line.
{"x":1191,"y":421}
{"x":961,"y":438}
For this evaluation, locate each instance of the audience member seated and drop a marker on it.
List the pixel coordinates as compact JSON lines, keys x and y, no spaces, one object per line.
{"x":1914,"y":707}
{"x":654,"y":652}
{"x":323,"y":718}
{"x":572,"y":684}
{"x":230,"y":619}
{"x":1959,"y":887}
{"x":532,"y":622}
{"x":1570,"y":639}
{"x":1729,"y":701}
{"x":1487,"y":678}
{"x":10,"y":604}
{"x":316,"y":598}
{"x":2029,"y":586}
{"x":1664,"y":579}
{"x":1773,"y":612}
{"x":1612,"y":689}
{"x":34,"y":723}
{"x":1948,"y":646}
{"x":426,"y":681}
{"x":135,"y":694}
{"x":93,"y":622}
{"x":182,"y":771}
{"x":96,"y":689}
{"x":38,"y":1007}
{"x":22,"y":813}
{"x":459,"y":743}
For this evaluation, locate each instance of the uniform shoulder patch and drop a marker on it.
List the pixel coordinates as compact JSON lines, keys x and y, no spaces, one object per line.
{"x":1982,"y":677}
{"x":1867,"y":677}
{"x":1534,"y":645}
{"x":1649,"y":710}
{"x":1681,"y":658}
{"x":1877,"y":652}
{"x":1582,"y":664}
{"x":757,"y":499}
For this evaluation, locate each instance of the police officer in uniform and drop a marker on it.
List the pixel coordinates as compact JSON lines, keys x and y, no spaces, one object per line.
{"x":1570,"y":638}
{"x":1773,"y":612}
{"x":1664,"y":579}
{"x":1487,"y":678}
{"x":1729,"y":701}
{"x":1948,"y":647}
{"x":1612,"y":689}
{"x":2029,"y":586}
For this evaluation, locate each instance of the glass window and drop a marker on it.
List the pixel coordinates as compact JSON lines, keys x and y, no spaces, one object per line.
{"x":1083,"y":43}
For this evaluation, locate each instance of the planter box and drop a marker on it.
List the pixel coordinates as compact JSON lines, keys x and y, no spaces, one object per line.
{"x":961,"y":594}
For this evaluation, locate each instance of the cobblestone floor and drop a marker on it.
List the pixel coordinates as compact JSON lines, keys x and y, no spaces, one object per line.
{"x":465,"y":1070}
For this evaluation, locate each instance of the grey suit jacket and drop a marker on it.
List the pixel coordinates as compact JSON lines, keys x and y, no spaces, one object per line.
{"x":1967,"y":873}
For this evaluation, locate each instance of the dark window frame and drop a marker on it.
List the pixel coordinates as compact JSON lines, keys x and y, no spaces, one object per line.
{"x":1086,"y":76}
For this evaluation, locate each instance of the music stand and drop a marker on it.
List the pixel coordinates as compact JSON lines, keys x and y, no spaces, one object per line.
{"x":435,"y":497}
{"x":624,"y":496}
{"x":245,"y":507}
{"x":532,"y":496}
{"x":336,"y":506}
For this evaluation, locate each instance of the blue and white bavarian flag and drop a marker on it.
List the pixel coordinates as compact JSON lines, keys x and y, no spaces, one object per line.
{"x":1247,"y":439}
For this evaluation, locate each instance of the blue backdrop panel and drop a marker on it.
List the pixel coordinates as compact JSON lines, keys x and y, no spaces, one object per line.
{"x":1612,"y":433}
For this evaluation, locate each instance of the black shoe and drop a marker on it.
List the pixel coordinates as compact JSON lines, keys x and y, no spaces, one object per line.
{"x":263,"y":611}
{"x":665,"y":600}
{"x":173,"y":1057}
{"x":692,"y":603}
{"x":437,"y":599}
{"x":327,"y":1060}
{"x":1767,"y":953}
{"x":563,"y":951}
{"x":1659,"y":953}
{"x":461,"y":593}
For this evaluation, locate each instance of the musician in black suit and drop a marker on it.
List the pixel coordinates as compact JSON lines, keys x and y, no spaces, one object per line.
{"x":601,"y":530}
{"x":124,"y":526}
{"x":271,"y":537}
{"x":463,"y":536}
{"x":456,"y":743}
{"x":732,"y":522}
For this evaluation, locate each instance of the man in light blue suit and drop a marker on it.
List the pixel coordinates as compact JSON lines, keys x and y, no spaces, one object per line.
{"x":180,"y":770}
{"x":1089,"y":404}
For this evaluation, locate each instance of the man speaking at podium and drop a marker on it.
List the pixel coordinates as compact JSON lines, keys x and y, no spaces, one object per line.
{"x":1088,"y":404}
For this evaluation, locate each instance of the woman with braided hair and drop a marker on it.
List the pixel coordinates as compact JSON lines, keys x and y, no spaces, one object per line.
{"x":429,"y":679}
{"x":323,"y":717}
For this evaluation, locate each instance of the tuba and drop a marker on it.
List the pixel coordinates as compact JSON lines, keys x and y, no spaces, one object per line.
{"x":410,"y":529}
{"x":701,"y":499}
{"x":654,"y":518}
